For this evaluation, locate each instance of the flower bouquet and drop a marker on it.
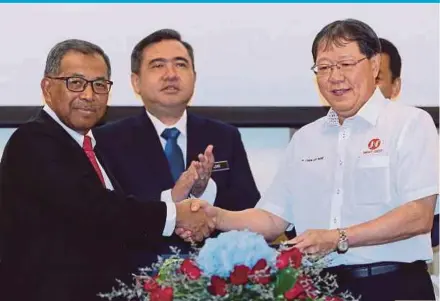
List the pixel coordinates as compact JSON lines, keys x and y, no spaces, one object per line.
{"x":237,"y":265}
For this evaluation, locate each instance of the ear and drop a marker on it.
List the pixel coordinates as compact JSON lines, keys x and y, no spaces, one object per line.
{"x":135,"y":83}
{"x":46,"y":87}
{"x":375,"y":64}
{"x":396,"y":88}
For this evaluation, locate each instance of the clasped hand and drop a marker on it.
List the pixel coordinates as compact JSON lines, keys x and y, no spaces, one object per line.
{"x":195,"y":220}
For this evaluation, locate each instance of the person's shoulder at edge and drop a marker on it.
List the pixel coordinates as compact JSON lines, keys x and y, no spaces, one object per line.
{"x":401,"y":111}
{"x":112,"y":127}
{"x":212,"y":123}
{"x":29,"y":128}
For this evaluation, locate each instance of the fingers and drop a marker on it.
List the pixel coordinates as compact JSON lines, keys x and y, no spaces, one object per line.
{"x":192,"y":171}
{"x":301,"y":242}
{"x":311,"y":250}
{"x":211,"y":224}
{"x":209,"y":155}
{"x":206,"y":231}
{"x":199,"y":235}
{"x":179,"y":231}
{"x":316,"y":242}
{"x":304,"y":245}
{"x":206,"y":161}
{"x":197,"y":204}
{"x":297,"y":239}
{"x":183,"y":234}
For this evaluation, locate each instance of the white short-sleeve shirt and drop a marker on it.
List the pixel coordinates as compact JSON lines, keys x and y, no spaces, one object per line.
{"x":336,"y":176}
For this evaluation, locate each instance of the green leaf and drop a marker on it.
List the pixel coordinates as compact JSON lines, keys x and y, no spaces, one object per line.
{"x":167,"y":269}
{"x":286,"y":279}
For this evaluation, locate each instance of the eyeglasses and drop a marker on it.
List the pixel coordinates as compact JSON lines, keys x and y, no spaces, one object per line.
{"x":345,"y":66}
{"x":79,"y":84}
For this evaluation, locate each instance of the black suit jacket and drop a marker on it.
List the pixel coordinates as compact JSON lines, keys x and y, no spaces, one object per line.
{"x":135,"y":156}
{"x":64,"y":235}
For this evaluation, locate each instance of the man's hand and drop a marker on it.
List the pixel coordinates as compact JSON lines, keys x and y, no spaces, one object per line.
{"x":185,"y":183}
{"x":316,"y":242}
{"x":212,"y":213}
{"x":204,"y":169}
{"x":189,"y":217}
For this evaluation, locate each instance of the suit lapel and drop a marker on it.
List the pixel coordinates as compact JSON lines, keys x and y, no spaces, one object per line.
{"x":57,"y":130}
{"x":196,"y":139}
{"x":104,"y":164}
{"x":76,"y":152}
{"x":149,"y":147}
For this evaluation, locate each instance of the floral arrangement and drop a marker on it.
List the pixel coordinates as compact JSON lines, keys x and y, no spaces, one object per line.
{"x":237,"y":265}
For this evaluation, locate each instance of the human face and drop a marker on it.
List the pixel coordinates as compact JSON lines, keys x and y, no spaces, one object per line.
{"x":78,"y":110}
{"x":348,"y":86}
{"x":389,"y":88}
{"x":166,"y":78}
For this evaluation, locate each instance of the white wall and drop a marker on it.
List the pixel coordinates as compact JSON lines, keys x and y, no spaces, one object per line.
{"x":246,"y":54}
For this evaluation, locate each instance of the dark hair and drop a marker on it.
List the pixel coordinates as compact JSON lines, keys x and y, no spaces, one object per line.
{"x":57,"y":53}
{"x":395,"y":59}
{"x":348,"y":30}
{"x":156,"y":37}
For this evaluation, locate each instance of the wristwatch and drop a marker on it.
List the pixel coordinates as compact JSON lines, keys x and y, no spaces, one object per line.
{"x":342,"y":246}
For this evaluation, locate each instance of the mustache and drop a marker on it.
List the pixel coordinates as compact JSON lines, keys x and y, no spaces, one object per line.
{"x":86,"y":107}
{"x":175,"y":86}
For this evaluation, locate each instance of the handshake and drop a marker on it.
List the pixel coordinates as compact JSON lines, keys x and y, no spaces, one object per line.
{"x":195,"y":219}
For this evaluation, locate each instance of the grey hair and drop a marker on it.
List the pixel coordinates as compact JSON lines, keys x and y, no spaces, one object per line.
{"x":57,"y":53}
{"x":341,"y":32}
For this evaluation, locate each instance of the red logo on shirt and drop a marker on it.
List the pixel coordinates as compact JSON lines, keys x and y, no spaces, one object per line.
{"x":374,"y":144}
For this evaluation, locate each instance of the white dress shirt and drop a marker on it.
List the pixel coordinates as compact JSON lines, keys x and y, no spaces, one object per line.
{"x":211,"y":189}
{"x":171,"y":207}
{"x":336,"y":176}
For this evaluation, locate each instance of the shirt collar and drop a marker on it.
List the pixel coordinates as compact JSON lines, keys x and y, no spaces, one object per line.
{"x":160,"y":126}
{"x":370,"y":111}
{"x":74,"y":134}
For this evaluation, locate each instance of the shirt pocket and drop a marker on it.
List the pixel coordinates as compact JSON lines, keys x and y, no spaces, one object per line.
{"x":372,"y":180}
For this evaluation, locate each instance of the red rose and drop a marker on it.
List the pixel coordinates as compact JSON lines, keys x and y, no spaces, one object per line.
{"x":258,"y":273}
{"x":240,"y":275}
{"x":293,"y":293}
{"x":162,"y":294}
{"x":150,"y":284}
{"x":307,"y":283}
{"x":217,"y":287}
{"x":190,"y":269}
{"x":289,"y":257}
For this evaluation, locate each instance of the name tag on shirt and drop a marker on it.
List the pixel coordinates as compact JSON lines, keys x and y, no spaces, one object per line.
{"x":220,"y":166}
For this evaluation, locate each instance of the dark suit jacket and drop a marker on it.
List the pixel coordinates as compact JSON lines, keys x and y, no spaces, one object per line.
{"x":64,"y":235}
{"x":136,"y":158}
{"x":435,"y":232}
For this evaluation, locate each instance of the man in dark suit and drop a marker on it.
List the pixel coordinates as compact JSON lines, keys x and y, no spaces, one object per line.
{"x":65,"y":223}
{"x":150,"y":164}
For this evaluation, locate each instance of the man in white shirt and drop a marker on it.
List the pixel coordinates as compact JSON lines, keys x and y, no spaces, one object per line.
{"x":64,"y":222}
{"x":360,"y":184}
